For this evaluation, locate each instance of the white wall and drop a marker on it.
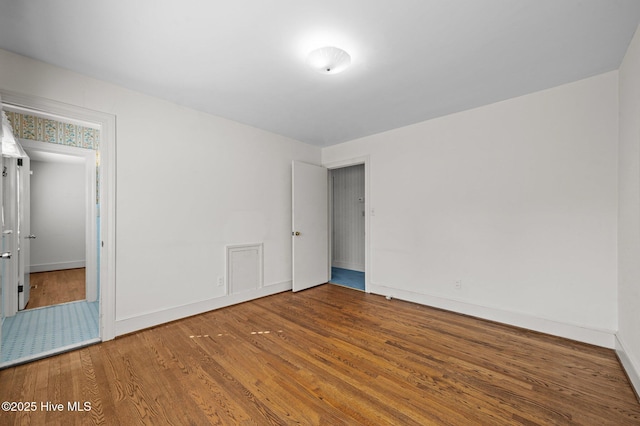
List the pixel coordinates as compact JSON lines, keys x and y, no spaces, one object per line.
{"x":517,"y":199}
{"x":57,"y":215}
{"x":629,"y":215}
{"x":188,"y":183}
{"x":348,"y":238}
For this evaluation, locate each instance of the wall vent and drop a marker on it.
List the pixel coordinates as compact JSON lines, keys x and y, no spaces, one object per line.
{"x":244,"y":267}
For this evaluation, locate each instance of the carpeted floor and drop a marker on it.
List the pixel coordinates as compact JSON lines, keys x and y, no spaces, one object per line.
{"x":348,"y":278}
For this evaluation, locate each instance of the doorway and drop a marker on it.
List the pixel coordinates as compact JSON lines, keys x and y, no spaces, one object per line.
{"x":93,"y":317}
{"x":63,"y":223}
{"x":61,"y":204}
{"x":348,"y":220}
{"x":311,"y":230}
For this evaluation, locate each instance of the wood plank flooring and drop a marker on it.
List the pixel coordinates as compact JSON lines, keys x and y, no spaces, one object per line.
{"x":55,"y":287}
{"x":328,"y":356}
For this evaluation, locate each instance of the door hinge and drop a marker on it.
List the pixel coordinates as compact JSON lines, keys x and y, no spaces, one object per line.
{"x":20,"y":289}
{"x":19,"y":161}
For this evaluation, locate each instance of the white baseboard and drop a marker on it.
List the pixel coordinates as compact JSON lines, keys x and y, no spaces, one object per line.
{"x":632,"y":370}
{"x":48,"y":267}
{"x":347,"y":265}
{"x":140,"y":322}
{"x":604,"y":338}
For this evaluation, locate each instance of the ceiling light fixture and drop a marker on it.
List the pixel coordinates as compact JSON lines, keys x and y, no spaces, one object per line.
{"x":329,"y":60}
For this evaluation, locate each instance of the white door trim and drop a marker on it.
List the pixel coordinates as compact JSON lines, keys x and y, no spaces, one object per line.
{"x":367,"y":208}
{"x":24,"y":230}
{"x":107,"y":172}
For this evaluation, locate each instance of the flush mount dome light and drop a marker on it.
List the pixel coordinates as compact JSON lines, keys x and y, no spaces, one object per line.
{"x":329,"y":60}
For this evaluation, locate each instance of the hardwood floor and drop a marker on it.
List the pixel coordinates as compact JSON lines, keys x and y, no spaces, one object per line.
{"x":328,"y":356}
{"x":52,"y":288}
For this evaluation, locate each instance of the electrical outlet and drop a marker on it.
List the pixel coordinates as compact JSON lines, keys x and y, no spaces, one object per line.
{"x":458,"y":284}
{"x":220,"y":281}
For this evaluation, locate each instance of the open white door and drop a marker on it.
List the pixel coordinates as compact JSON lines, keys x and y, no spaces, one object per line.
{"x":9,"y":234}
{"x":310,"y":231}
{"x":15,"y":227}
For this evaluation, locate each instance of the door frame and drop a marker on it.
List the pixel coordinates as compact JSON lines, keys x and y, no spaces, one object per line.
{"x":88,"y":157}
{"x":332,"y":165}
{"x":24,"y":230}
{"x":107,"y":188}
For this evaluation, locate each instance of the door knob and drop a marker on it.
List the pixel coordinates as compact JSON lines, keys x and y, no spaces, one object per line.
{"x":30,"y":237}
{"x":295,"y":233}
{"x":5,"y":255}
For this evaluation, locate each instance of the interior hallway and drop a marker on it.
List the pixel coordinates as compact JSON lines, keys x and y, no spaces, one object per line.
{"x":55,"y":287}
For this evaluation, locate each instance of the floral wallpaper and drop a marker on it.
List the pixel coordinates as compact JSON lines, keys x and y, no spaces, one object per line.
{"x":46,"y":130}
{"x":40,"y":129}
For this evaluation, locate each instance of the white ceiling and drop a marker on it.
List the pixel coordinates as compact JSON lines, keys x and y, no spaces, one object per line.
{"x":412,"y":60}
